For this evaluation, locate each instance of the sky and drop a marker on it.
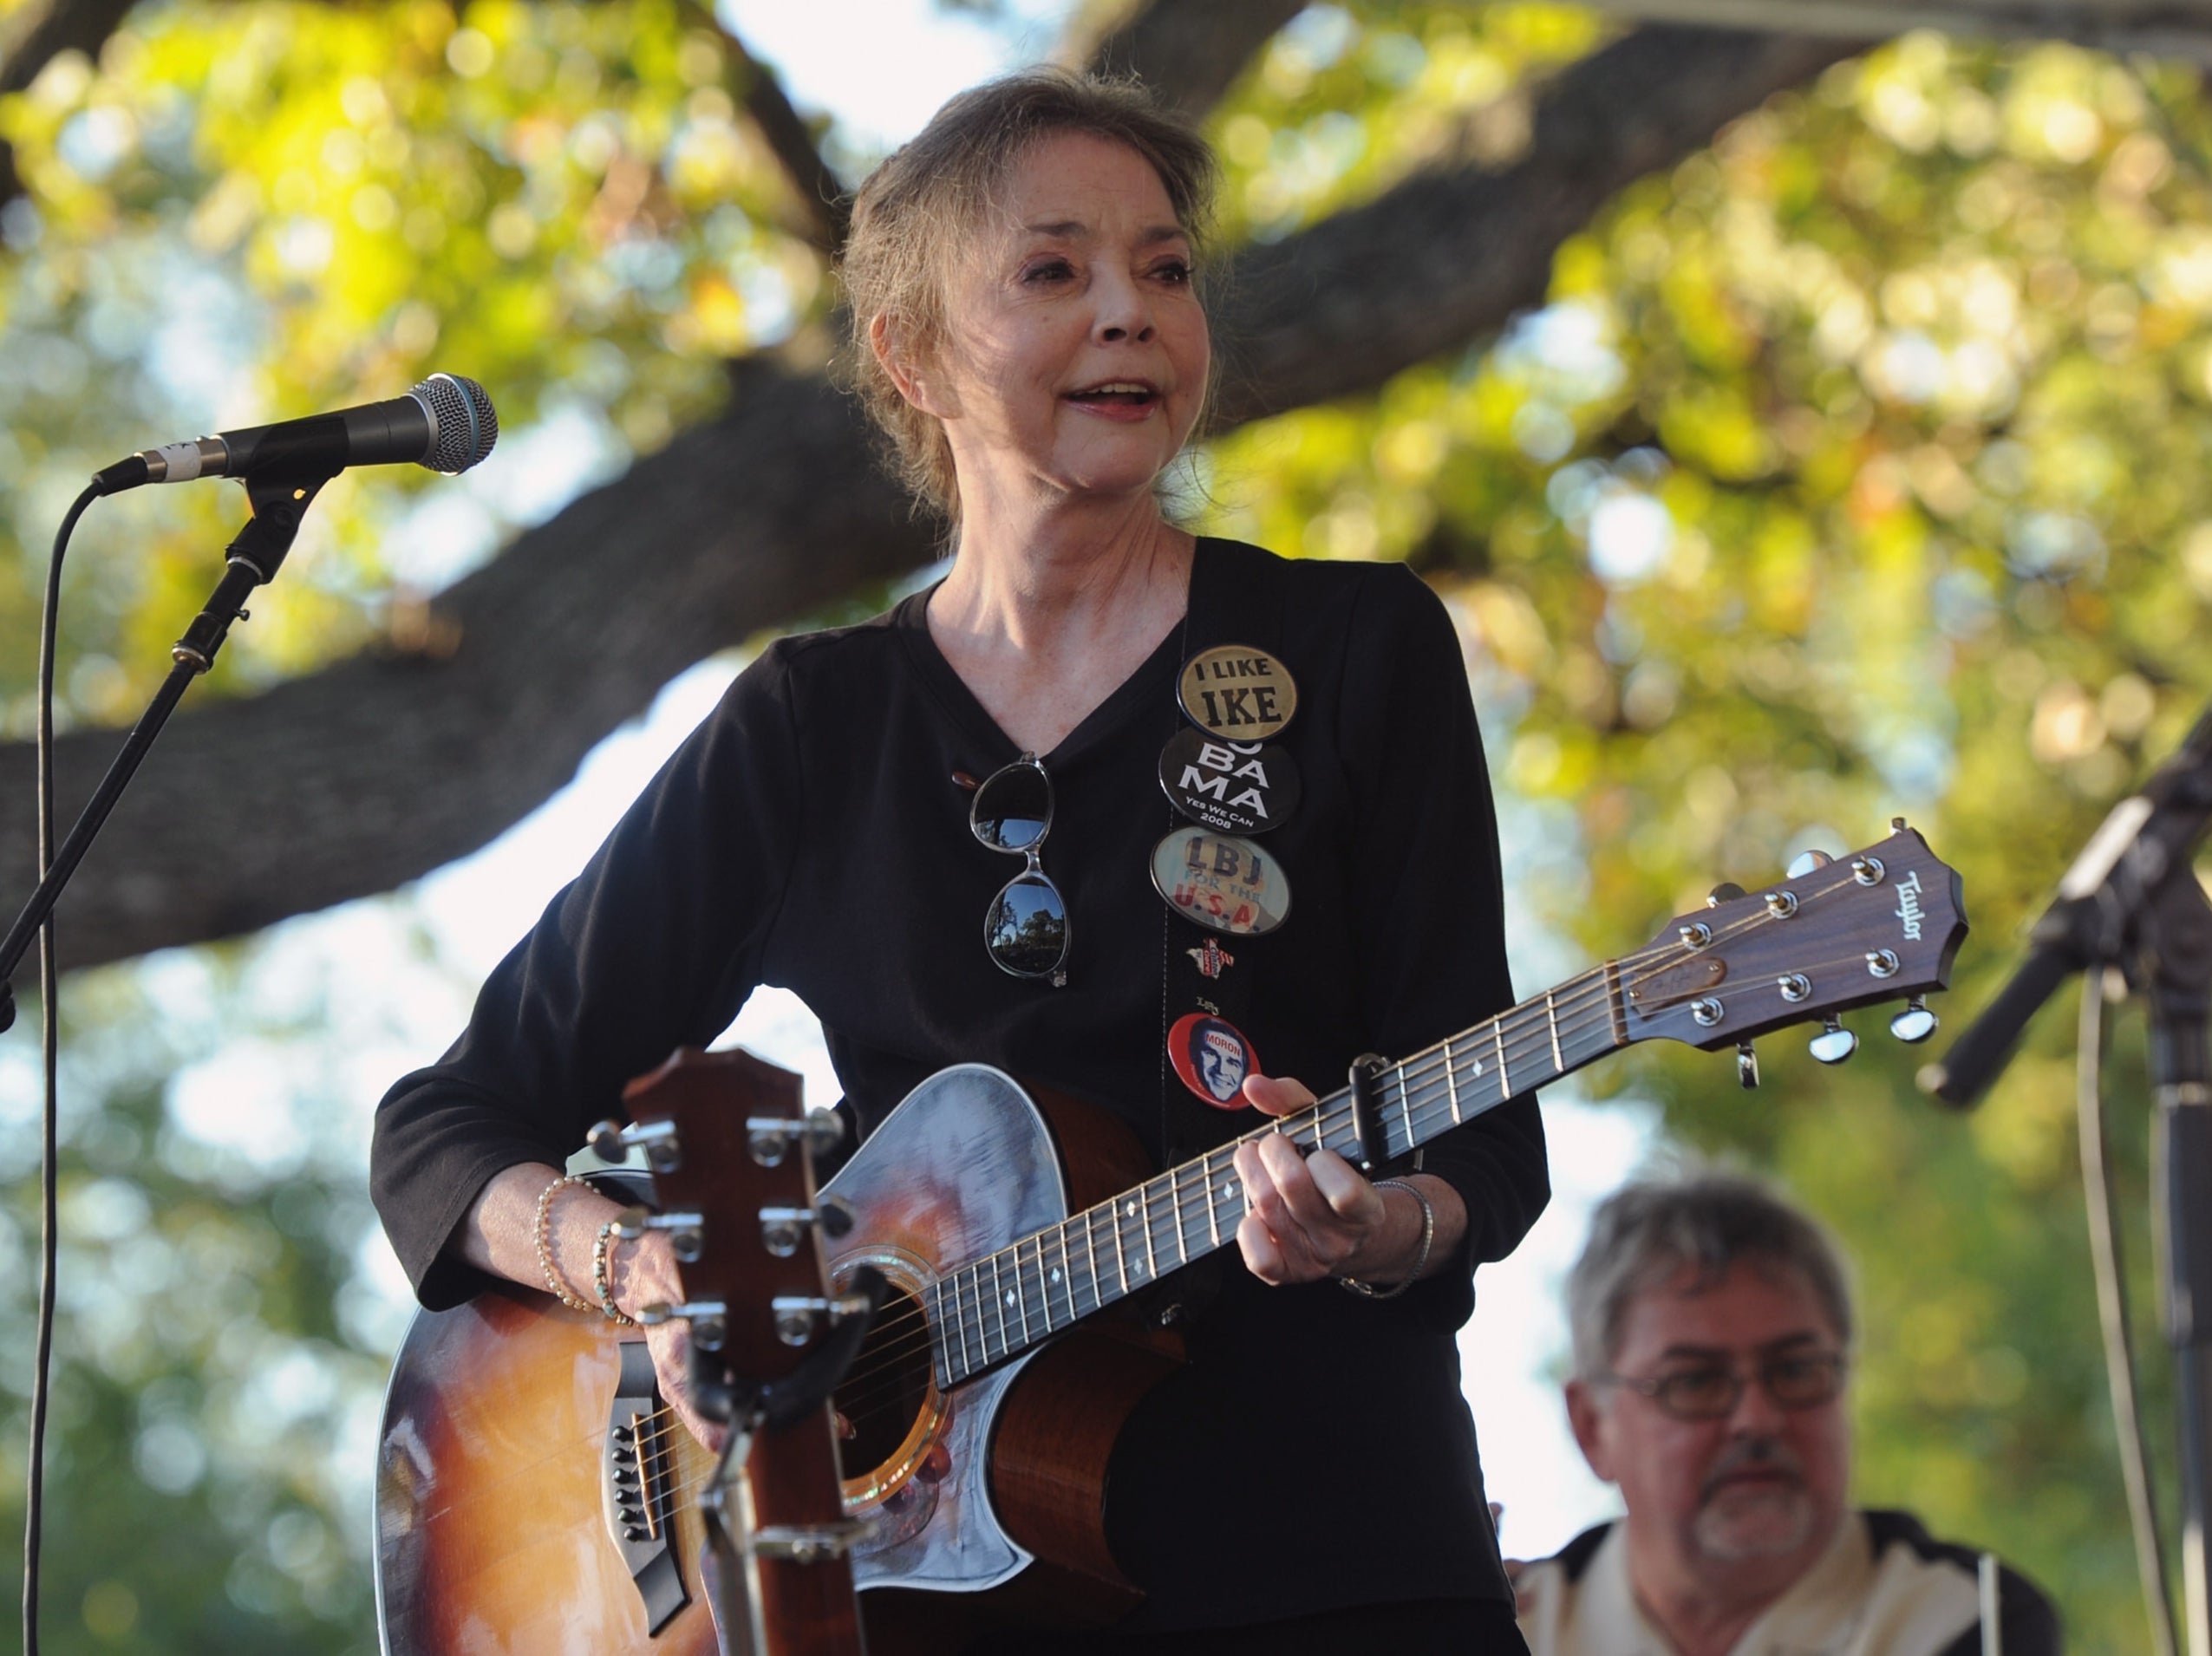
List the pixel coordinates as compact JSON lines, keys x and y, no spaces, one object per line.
{"x":406,"y":1007}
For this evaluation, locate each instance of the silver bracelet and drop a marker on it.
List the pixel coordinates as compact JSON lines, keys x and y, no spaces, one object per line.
{"x":1353,"y":1285}
{"x":601,"y":1263}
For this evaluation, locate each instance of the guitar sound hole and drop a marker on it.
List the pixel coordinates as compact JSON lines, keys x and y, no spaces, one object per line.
{"x":888,"y":1411}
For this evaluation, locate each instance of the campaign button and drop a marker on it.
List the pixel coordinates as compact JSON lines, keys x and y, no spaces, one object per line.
{"x":1237,"y":787}
{"x":1221,"y":882}
{"x":1213,"y":1057}
{"x":1211,"y":958}
{"x":1235,"y":691}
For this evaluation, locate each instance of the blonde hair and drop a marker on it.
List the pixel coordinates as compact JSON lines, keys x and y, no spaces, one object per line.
{"x":920,"y":206}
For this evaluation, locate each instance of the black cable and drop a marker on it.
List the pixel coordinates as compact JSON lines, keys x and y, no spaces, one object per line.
{"x":50,"y":1043}
{"x":2113,"y":1319}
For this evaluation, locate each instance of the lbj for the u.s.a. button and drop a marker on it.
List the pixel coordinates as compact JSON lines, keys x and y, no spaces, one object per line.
{"x":1221,"y":881}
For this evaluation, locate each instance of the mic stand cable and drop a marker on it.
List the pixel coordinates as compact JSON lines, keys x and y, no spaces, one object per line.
{"x":2113,"y":1319}
{"x":253,"y":557}
{"x":50,"y":1051}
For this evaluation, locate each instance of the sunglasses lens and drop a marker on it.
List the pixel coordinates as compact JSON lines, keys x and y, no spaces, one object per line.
{"x":1026,"y":928}
{"x":1012,"y":808}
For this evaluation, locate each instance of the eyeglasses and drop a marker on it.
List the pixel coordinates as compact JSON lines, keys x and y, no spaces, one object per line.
{"x":1711,"y":1392}
{"x":1025,"y":929}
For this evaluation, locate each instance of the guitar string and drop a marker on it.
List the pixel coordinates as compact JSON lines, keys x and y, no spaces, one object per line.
{"x":1521,"y":1026}
{"x":1429,"y":1085}
{"x":1414,"y":1077}
{"x":1528,"y":1032}
{"x":1428,"y":1088}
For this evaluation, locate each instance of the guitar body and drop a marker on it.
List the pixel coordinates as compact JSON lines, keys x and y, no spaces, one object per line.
{"x":527,"y":1504}
{"x":491,"y":1533}
{"x":984,"y":1505}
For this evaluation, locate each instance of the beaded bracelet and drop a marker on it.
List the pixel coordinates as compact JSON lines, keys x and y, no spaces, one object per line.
{"x":555,"y":1283}
{"x":1352,"y":1284}
{"x":602,"y":1253}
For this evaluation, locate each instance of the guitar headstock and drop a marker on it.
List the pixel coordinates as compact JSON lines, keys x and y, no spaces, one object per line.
{"x":1879,"y":924}
{"x":733,"y":1159}
{"x":732,"y":1153}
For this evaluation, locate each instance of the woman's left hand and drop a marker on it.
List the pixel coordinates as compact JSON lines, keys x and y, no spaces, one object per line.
{"x":1313,"y":1217}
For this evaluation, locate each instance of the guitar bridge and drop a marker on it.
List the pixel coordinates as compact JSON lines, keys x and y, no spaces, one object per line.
{"x":634,"y":1465}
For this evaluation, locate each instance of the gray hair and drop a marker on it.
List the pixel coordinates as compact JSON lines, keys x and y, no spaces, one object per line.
{"x":1649,"y":1232}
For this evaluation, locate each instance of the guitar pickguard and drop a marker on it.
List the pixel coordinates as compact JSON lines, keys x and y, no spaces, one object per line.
{"x":964,"y":1165}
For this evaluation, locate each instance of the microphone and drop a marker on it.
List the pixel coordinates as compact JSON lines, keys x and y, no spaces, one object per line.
{"x":447,"y":423}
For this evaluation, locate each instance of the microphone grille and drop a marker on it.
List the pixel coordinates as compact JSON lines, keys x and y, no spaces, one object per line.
{"x":466,"y":423}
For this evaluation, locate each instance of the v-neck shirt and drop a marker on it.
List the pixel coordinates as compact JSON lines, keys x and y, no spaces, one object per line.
{"x":1315,"y":1452}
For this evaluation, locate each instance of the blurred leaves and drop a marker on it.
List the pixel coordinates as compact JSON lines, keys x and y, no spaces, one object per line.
{"x":1854,"y":469}
{"x":245,"y":214}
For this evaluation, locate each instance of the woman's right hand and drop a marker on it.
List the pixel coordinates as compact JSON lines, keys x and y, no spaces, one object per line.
{"x":644,"y":1272}
{"x":501,"y":1233}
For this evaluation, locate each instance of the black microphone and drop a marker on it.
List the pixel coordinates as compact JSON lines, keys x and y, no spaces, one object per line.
{"x":445,"y":423}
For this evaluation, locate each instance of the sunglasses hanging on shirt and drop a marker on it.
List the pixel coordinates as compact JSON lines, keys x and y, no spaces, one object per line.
{"x":1025,"y":929}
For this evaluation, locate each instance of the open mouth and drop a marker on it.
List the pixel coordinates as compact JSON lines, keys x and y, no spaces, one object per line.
{"x":1116,"y":394}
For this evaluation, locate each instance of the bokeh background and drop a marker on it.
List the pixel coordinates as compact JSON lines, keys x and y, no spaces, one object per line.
{"x":1828,"y":447}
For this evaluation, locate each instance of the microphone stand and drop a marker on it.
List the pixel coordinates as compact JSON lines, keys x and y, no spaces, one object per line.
{"x":2132,"y":900}
{"x":280,"y":498}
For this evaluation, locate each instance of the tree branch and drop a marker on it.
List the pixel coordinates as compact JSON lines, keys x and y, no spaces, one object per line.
{"x":1188,"y":52}
{"x":1450,"y":253}
{"x":381,"y":768}
{"x":822,"y":195}
{"x":66,"y":25}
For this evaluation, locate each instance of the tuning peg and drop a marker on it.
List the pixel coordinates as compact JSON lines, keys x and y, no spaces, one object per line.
{"x":1747,"y":1065}
{"x":1727,"y":891}
{"x":610,"y":1141}
{"x":1915,"y":1024}
{"x":1806,"y":863}
{"x":1834,"y":1043}
{"x":687,"y":1231}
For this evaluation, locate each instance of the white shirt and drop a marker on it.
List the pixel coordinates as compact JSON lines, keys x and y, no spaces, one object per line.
{"x":1882,"y":1589}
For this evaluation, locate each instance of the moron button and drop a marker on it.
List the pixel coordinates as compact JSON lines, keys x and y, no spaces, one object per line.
{"x":1212,"y":1057}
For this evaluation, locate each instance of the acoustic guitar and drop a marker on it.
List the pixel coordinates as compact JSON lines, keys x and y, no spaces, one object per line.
{"x":977,"y":1419}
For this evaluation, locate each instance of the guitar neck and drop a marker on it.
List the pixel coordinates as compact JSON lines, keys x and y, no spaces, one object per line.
{"x":1002,"y":1304}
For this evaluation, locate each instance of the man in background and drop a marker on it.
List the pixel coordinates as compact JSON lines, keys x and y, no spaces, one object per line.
{"x":1712,"y":1329}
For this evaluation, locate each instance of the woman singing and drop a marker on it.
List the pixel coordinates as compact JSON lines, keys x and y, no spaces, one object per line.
{"x":1114,"y":809}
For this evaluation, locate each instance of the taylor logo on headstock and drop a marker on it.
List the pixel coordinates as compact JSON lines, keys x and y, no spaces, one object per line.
{"x":1908,"y":904}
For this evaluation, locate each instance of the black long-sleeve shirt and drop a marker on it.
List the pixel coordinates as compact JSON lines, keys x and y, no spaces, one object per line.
{"x":1314,"y":1451}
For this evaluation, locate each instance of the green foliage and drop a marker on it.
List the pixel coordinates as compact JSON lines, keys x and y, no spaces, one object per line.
{"x":218,"y":1358}
{"x":1853,"y":469}
{"x":561,"y":200}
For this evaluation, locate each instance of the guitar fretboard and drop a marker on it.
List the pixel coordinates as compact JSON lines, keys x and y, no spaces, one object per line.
{"x":998,"y":1307}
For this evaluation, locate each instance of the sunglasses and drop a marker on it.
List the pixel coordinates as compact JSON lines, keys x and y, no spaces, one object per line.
{"x":1025,"y":929}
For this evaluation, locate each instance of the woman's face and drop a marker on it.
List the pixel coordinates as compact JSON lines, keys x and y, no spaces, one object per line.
{"x":1076,"y":354}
